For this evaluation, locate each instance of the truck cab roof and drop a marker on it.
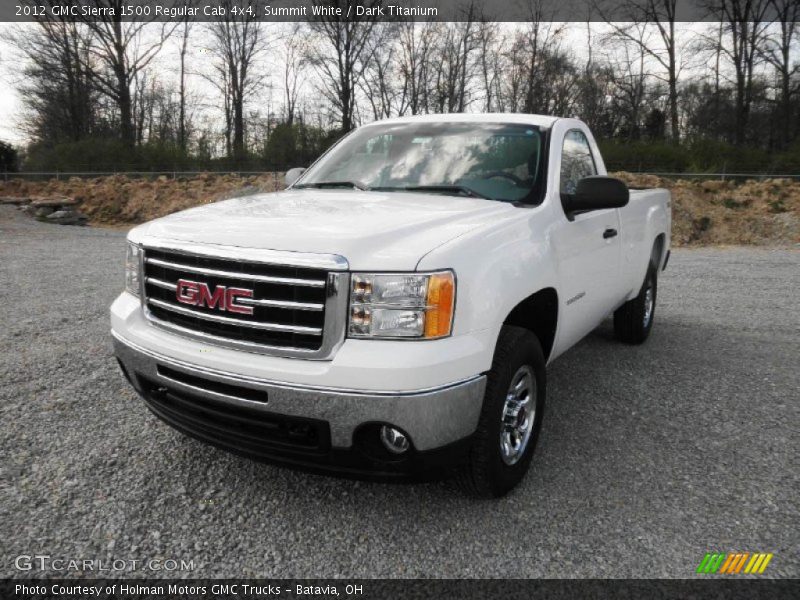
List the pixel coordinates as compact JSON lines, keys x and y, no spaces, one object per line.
{"x":543,"y":121}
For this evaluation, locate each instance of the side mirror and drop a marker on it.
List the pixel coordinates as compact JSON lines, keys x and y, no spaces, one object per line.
{"x":293,"y":175}
{"x":596,"y":193}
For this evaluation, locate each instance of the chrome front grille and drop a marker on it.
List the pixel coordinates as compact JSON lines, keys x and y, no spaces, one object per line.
{"x":280,"y":309}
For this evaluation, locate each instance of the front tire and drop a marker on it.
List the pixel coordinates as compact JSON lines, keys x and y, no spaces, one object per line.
{"x":511,"y":417}
{"x":634,"y":319}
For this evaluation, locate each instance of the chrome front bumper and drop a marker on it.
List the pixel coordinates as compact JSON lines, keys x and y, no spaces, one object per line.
{"x":432,"y":418}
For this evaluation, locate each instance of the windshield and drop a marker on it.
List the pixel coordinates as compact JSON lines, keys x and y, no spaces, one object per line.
{"x":490,"y":160}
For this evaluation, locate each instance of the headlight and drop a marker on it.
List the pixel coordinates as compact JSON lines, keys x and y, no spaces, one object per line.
{"x":402,"y":305}
{"x":132,"y":277}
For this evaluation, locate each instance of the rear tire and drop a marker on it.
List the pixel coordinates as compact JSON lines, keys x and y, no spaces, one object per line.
{"x":634,"y":319}
{"x":511,"y":417}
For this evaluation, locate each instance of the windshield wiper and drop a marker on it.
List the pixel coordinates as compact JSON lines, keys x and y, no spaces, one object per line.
{"x":453,"y":189}
{"x":334,"y":184}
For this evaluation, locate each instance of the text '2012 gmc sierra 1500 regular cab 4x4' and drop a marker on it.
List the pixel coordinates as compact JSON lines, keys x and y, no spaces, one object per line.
{"x":391,"y":313}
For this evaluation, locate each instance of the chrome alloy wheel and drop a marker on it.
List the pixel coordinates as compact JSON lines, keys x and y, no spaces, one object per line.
{"x":648,"y":303}
{"x":519,"y":412}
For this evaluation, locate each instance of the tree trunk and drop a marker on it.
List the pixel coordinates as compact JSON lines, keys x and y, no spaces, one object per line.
{"x":238,"y":130}
{"x":347,"y":108}
{"x":123,"y":89}
{"x":787,"y":109}
{"x":673,"y":87}
{"x":741,"y":112}
{"x":182,"y":108}
{"x":125,"y":110}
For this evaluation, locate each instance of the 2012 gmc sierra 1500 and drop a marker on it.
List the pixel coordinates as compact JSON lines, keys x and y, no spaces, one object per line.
{"x":391,"y":313}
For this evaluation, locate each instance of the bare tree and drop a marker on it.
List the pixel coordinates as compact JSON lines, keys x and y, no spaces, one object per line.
{"x":455,"y":64}
{"x":531,"y":56}
{"x":57,"y":86}
{"x":777,"y":50}
{"x":513,"y":82}
{"x":744,"y":23}
{"x":295,"y":51}
{"x":594,"y":99}
{"x":220,"y":79}
{"x":556,"y":90}
{"x":154,"y":114}
{"x":414,"y":65}
{"x":141,"y":104}
{"x":467,"y":44}
{"x":182,"y":137}
{"x":341,"y":55}
{"x":530,"y":48}
{"x":237,"y":43}
{"x":660,"y":14}
{"x":122,"y":51}
{"x":627,"y":61}
{"x":378,"y":82}
{"x":717,"y":60}
{"x":595,"y":90}
{"x":490,"y":42}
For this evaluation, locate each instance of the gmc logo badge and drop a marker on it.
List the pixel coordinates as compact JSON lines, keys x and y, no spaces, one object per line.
{"x":223,"y":298}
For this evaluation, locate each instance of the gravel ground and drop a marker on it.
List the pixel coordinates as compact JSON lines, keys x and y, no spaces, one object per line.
{"x":650,"y":456}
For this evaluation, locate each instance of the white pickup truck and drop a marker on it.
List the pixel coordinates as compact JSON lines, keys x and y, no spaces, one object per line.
{"x":391,"y":313}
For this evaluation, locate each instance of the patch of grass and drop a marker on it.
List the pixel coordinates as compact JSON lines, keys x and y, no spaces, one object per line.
{"x":777,"y":206}
{"x":734,"y":204}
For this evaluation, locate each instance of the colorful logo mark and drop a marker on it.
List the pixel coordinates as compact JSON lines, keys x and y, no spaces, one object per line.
{"x":734,"y":563}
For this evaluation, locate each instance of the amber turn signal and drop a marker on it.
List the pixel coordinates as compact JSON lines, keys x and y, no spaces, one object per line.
{"x":440,"y":301}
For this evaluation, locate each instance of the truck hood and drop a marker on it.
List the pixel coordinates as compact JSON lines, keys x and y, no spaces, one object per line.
{"x":372,"y":230}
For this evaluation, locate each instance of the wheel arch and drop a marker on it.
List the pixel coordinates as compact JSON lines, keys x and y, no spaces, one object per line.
{"x":538,"y":313}
{"x":658,"y":252}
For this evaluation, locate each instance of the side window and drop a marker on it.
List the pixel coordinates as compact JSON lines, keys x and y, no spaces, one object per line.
{"x":576,"y":161}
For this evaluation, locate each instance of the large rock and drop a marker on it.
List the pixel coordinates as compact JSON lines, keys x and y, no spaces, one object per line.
{"x":43,"y":211}
{"x":14,"y":199}
{"x":67,"y":217}
{"x":54,"y":202}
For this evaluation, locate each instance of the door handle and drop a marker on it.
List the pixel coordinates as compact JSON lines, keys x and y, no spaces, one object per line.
{"x":609,"y":233}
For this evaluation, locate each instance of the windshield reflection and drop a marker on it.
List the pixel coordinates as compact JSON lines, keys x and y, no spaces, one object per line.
{"x":495,"y":161}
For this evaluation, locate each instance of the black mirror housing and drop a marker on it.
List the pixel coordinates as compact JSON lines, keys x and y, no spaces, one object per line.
{"x":596,"y":193}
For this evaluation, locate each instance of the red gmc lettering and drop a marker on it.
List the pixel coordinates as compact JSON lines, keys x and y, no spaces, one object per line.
{"x":230,"y":301}
{"x":224,"y":298}
{"x":211,"y":300}
{"x":186,"y":292}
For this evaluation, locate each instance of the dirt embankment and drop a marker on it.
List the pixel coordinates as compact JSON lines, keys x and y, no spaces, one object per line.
{"x":704,"y":212}
{"x":119,"y":200}
{"x":717,"y":212}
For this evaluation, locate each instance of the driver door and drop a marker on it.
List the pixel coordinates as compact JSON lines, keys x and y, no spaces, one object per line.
{"x":588,"y":250}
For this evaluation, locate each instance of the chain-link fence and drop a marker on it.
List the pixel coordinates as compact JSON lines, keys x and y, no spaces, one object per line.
{"x":59,"y":175}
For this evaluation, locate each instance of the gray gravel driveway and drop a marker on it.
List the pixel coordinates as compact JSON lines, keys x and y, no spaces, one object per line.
{"x":650,"y":456}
